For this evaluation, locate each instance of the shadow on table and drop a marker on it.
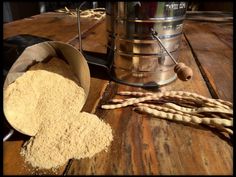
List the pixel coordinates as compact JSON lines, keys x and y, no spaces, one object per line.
{"x":98,"y":72}
{"x":16,"y":136}
{"x":224,"y":136}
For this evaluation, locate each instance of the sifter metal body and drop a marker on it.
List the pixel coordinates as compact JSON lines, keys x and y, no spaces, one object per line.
{"x":138,"y":59}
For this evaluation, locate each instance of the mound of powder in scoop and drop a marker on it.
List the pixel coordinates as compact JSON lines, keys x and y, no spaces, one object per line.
{"x":46,"y":102}
{"x":50,"y":85}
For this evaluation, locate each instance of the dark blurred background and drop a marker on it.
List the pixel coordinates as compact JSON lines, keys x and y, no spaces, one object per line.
{"x":18,"y":10}
{"x":13,"y":10}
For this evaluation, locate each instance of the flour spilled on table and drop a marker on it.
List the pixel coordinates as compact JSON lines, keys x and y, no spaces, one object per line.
{"x":46,"y":102}
{"x":78,"y":135}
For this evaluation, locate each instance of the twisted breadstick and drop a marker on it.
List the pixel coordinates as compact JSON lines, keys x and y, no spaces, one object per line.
{"x":159,"y":108}
{"x":156,"y":96}
{"x":185,"y":118}
{"x":210,"y":105}
{"x":225,"y":116}
{"x":227,"y":130}
{"x":116,"y":100}
{"x":185,"y":99}
{"x":196,"y":96}
{"x":191,"y":107}
{"x":128,"y":93}
{"x":225,"y":103}
{"x":197,"y":110}
{"x":217,"y":102}
{"x":223,"y":129}
{"x":120,"y":100}
{"x":128,"y":103}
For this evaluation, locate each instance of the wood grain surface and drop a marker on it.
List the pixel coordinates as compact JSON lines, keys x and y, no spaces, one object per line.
{"x":52,"y":25}
{"x":147,"y":145}
{"x":212,"y":47}
{"x":144,"y":144}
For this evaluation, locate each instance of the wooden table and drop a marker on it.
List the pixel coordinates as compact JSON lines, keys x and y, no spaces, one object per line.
{"x":142,"y":144}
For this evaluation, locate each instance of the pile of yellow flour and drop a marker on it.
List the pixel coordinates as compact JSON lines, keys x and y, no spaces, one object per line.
{"x":45,"y":102}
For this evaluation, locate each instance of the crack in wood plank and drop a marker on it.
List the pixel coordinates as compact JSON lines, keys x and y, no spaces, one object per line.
{"x":204,"y":75}
{"x":67,"y":168}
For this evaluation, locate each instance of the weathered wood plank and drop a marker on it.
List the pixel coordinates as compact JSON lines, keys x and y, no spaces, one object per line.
{"x":94,"y":41}
{"x":146,"y":145}
{"x":51,"y":25}
{"x":212,"y":46}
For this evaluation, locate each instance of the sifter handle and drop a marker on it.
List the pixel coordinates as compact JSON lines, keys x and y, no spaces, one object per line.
{"x":183,"y":72}
{"x":79,"y":29}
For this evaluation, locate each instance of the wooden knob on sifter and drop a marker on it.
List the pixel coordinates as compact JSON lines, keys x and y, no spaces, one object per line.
{"x":183,"y":72}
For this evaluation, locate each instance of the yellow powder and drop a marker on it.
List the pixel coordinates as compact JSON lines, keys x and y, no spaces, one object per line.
{"x":75,"y":136}
{"x":46,"y":102}
{"x":52,"y":83}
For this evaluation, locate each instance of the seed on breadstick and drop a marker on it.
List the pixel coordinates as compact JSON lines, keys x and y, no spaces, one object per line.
{"x":184,"y":118}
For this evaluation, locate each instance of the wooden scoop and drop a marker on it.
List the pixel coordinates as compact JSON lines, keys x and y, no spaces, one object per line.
{"x":183,"y":72}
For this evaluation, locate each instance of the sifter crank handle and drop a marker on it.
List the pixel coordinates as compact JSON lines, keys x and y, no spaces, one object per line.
{"x":183,"y":72}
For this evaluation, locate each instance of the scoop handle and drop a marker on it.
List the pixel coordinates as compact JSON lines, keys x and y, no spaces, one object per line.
{"x":183,"y":72}
{"x":8,"y":135}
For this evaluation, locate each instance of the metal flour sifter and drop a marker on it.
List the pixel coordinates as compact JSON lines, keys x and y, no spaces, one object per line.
{"x":143,"y":43}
